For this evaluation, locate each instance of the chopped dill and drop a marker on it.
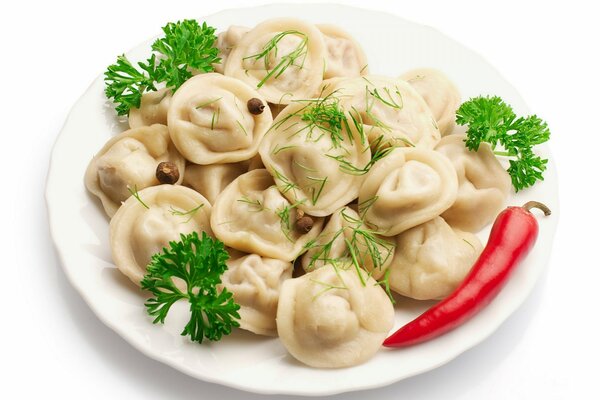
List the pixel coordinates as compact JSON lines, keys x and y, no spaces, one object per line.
{"x":316,"y":192}
{"x":134,"y":193}
{"x":287,"y":60}
{"x":215,"y":118}
{"x":207,"y":103}
{"x":285,"y":220}
{"x":190,"y":213}
{"x":242,"y":127}
{"x":257,"y":204}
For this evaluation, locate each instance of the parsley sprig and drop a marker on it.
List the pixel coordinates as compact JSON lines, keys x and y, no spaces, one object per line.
{"x":491,"y":120}
{"x":199,"y":263}
{"x":186,"y":46}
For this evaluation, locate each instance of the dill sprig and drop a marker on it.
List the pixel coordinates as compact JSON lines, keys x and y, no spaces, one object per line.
{"x":285,"y":220}
{"x":362,"y":246}
{"x":255,"y":203}
{"x":190,"y":213}
{"x":286,"y":60}
{"x":134,"y":192}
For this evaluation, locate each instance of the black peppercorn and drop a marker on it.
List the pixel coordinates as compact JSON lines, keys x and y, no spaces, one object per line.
{"x":255,"y":106}
{"x":167,"y":172}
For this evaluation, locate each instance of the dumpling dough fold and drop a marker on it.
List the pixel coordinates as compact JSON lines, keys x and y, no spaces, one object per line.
{"x":128,"y":162}
{"x":483,"y":184}
{"x":440,"y":94}
{"x":409,"y":186}
{"x":210,"y":123}
{"x":329,"y":319}
{"x":143,"y":227}
{"x":431,"y":260}
{"x":255,"y":282}
{"x":252,"y":216}
{"x":282,"y":58}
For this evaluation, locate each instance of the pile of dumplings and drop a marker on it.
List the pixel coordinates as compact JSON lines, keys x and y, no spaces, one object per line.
{"x":339,"y":185}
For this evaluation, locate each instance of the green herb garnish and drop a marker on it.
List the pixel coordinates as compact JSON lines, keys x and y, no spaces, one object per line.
{"x":186,"y":46}
{"x":491,"y":120}
{"x":199,"y":263}
{"x":287,"y":60}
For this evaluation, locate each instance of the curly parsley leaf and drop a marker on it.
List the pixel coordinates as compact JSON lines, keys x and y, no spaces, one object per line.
{"x":187,"y":46}
{"x":491,"y":120}
{"x":199,"y":263}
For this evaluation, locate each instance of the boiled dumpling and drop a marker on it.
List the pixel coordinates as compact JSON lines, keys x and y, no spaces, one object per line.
{"x":255,"y":282}
{"x":344,"y":236}
{"x":210,"y":122}
{"x":483,"y":184}
{"x":251,"y":215}
{"x":128,"y":162}
{"x":153,"y":109}
{"x":439,"y":93}
{"x":431,"y":260}
{"x":145,"y":224}
{"x":408,"y":187}
{"x":313,"y":163}
{"x":345,"y":57}
{"x":329,"y":319}
{"x":282,"y":58}
{"x":390,"y":110}
{"x":211,"y":180}
{"x":226,"y":41}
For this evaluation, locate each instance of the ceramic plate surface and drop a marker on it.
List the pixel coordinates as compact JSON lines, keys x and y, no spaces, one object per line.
{"x":242,"y":360}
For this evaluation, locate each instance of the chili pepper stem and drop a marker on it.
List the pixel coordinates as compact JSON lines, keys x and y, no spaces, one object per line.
{"x":536,"y":204}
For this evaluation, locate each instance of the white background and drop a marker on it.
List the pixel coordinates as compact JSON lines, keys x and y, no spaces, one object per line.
{"x":52,"y":345}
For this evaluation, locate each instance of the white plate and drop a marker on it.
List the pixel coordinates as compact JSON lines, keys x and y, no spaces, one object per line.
{"x":242,"y":360}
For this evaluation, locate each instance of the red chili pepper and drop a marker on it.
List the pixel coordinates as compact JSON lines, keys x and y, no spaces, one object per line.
{"x":513,"y":235}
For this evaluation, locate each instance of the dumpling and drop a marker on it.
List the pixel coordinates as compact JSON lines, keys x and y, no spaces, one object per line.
{"x":145,"y":224}
{"x":128,"y":162}
{"x":153,"y":109}
{"x":211,"y":180}
{"x":329,"y":319}
{"x":483,"y":184}
{"x":431,"y":260}
{"x":282,"y":58}
{"x":344,"y":236}
{"x":345,"y":57}
{"x":226,"y":41}
{"x":210,"y":122}
{"x":439,"y":93}
{"x":389,"y":109}
{"x":315,"y":161}
{"x":408,"y":187}
{"x":252,"y":216}
{"x":255,"y":282}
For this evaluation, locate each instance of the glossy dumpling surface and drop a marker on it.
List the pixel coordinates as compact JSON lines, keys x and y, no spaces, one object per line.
{"x":408,"y":187}
{"x":128,"y":162}
{"x":210,"y":123}
{"x":255,"y":282}
{"x":431,"y":260}
{"x":310,"y":163}
{"x":329,"y":319}
{"x":440,"y":94}
{"x":211,"y":180}
{"x":390,"y":110}
{"x":226,"y":41}
{"x":345,"y":57}
{"x":143,"y":227}
{"x":251,"y":215}
{"x":153,"y":109}
{"x":483,"y":184}
{"x":283,"y":58}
